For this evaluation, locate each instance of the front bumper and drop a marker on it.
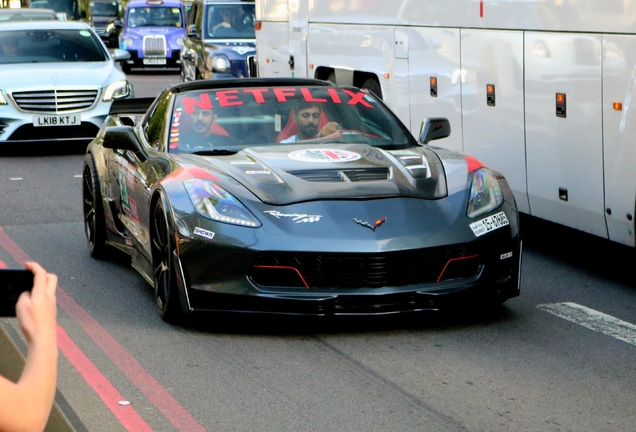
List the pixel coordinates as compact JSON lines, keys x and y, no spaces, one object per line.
{"x":229,"y":278}
{"x":137,"y":60}
{"x":17,"y":126}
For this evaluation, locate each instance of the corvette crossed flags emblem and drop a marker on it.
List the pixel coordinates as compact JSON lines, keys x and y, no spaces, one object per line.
{"x":372,"y":226}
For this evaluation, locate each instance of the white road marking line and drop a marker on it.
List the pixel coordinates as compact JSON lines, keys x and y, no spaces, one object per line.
{"x":15,"y":178}
{"x":77,"y":176}
{"x":593,"y":320}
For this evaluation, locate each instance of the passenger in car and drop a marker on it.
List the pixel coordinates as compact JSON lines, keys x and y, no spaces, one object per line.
{"x":198,"y":131}
{"x":9,"y":46}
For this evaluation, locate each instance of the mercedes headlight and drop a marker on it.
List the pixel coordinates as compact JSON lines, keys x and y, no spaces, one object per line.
{"x":117,"y":90}
{"x":221,"y":64}
{"x":3,"y":101}
{"x":214,"y":202}
{"x":485,"y":193}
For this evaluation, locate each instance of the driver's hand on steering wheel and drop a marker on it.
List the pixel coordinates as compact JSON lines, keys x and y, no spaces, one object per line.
{"x":328,"y":129}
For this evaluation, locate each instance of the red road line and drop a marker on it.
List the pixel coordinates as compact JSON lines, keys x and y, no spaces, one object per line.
{"x":126,"y":415}
{"x":148,"y":385}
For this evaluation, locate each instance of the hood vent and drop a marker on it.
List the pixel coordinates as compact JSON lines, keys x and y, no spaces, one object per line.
{"x":344,"y":175}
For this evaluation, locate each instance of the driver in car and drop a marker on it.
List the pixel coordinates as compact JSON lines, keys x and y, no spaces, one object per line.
{"x":307,"y":118}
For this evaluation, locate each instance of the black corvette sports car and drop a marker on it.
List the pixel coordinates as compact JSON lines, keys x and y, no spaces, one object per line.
{"x":296,"y":197}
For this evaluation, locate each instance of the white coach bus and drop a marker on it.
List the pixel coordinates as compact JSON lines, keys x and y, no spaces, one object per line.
{"x":538,"y":89}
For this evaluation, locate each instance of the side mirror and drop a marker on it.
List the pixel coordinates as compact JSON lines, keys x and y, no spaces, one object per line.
{"x":192,"y":30}
{"x":434,"y":128}
{"x":120,"y":54}
{"x":121,"y":138}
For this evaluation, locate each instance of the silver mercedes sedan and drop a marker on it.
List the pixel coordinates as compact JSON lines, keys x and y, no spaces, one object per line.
{"x":57,"y":82}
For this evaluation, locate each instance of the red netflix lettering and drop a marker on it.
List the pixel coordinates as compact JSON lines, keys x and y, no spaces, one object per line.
{"x":335,"y":97}
{"x":225,"y":96}
{"x":357,"y":98}
{"x":258,"y":94}
{"x":283,"y":93}
{"x":189,"y":103}
{"x":309,"y":97}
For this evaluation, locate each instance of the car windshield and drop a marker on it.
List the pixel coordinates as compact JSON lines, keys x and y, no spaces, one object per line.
{"x":214,"y":122}
{"x":155,"y":16}
{"x":105,"y":8}
{"x":48,"y":46}
{"x":232,"y":21}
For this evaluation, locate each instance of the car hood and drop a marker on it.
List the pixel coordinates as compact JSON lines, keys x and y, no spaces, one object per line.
{"x":33,"y":75}
{"x":288,"y":174}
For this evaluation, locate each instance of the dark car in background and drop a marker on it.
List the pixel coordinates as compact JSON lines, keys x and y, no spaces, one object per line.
{"x":153,"y":34}
{"x":107,"y":15}
{"x":75,"y":10}
{"x":221,"y":42}
{"x":234,"y":214}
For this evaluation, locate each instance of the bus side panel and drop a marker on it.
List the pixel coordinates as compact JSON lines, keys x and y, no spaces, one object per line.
{"x":495,"y":133}
{"x":608,"y":16}
{"x":273,"y":50}
{"x":362,"y":49}
{"x":564,"y":154}
{"x":434,"y":53}
{"x":619,"y":129}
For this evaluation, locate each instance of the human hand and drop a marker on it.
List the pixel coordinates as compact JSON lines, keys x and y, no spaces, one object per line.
{"x":36,"y":310}
{"x":328,"y":129}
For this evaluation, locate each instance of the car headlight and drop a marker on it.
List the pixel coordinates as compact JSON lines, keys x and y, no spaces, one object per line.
{"x":214,"y":202}
{"x":3,"y":101}
{"x":110,"y":27}
{"x":127,"y":42}
{"x":117,"y":90}
{"x":179,"y":41}
{"x":485,"y":193}
{"x":221,"y":64}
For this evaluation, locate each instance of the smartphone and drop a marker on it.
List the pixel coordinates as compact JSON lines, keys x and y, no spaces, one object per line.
{"x":13,"y":282}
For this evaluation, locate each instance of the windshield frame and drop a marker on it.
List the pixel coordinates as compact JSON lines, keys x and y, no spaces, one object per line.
{"x":241,"y":118}
{"x":72,"y":51}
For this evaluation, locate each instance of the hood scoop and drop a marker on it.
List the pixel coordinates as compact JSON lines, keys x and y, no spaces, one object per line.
{"x":343,"y":175}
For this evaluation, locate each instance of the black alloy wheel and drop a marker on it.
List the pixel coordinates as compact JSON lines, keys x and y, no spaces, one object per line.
{"x":164,"y":277}
{"x":94,"y":222}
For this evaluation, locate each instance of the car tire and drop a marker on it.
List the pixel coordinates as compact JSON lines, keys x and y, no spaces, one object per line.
{"x":163,"y":271}
{"x":373,"y":86}
{"x":94,"y":221}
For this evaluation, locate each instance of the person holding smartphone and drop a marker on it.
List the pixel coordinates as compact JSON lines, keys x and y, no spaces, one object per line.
{"x":26,"y":404}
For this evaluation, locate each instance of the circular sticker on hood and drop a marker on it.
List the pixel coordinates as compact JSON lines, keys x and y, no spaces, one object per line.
{"x":324,"y":155}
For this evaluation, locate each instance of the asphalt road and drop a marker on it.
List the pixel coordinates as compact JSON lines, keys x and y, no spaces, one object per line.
{"x":558,"y":358}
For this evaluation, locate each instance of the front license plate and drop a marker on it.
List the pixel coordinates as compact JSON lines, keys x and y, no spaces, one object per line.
{"x":490,"y":223}
{"x":57,"y":120}
{"x":152,"y":61}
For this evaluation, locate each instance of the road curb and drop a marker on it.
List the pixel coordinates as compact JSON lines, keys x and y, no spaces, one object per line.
{"x":13,"y":352}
